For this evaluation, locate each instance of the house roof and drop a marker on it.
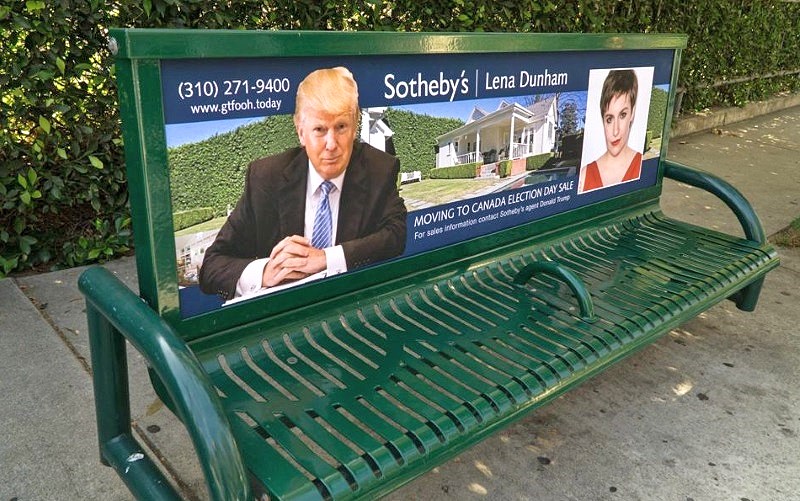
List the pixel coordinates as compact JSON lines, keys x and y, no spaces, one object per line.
{"x":477,"y":114}
{"x":381,"y":127}
{"x":532,"y":113}
{"x":541,"y":107}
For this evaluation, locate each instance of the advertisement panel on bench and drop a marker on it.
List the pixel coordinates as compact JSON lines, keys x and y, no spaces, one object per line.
{"x":440,"y":148}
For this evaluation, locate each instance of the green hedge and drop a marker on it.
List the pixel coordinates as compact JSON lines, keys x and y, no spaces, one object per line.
{"x":415,"y":138}
{"x":211,"y":173}
{"x":186,"y":218}
{"x":655,"y":116}
{"x":504,"y":168}
{"x":537,"y":161}
{"x":462,"y":171}
{"x":62,"y":182}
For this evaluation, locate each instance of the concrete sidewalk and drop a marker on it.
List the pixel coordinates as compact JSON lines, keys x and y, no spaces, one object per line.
{"x":711,"y":411}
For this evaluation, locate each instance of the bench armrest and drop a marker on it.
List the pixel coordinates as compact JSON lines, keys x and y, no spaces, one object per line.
{"x":723,"y":190}
{"x":114,"y":309}
{"x":571,"y":279}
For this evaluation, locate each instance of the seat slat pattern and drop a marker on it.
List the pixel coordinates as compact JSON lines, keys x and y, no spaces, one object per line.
{"x":323,"y":410}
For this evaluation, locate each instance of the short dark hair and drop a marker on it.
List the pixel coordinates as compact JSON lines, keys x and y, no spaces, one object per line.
{"x":618,"y":82}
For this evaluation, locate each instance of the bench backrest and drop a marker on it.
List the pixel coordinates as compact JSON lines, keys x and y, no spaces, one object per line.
{"x":492,"y":132}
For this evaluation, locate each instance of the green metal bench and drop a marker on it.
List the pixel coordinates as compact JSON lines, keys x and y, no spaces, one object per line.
{"x":353,"y":385}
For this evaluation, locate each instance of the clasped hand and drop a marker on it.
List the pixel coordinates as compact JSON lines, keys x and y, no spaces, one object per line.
{"x":292,"y":258}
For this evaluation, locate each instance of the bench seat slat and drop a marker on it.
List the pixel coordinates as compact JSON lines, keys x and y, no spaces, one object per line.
{"x":503,"y":359}
{"x":461,"y":368}
{"x":555,"y":324}
{"x":461,"y":415}
{"x":444,"y":423}
{"x":335,"y":448}
{"x":493,"y":368}
{"x":384,"y":455}
{"x":479,"y":405}
{"x":423,"y":433}
{"x":377,"y":388}
{"x":327,"y":350}
{"x":267,"y":465}
{"x":292,"y":438}
{"x":407,"y":402}
{"x":400,"y":443}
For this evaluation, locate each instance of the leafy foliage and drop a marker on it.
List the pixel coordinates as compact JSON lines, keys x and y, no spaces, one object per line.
{"x":60,"y":200}
{"x":568,"y":116}
{"x":789,"y":236}
{"x":504,"y":168}
{"x":211,"y":173}
{"x":462,"y":171}
{"x":537,"y":161}
{"x":732,"y":40}
{"x":62,"y":184}
{"x":186,"y":218}
{"x":655,"y":115}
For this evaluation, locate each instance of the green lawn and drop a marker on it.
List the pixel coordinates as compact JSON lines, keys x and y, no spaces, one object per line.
{"x":435,"y":191}
{"x":438,"y":191}
{"x":211,"y":224}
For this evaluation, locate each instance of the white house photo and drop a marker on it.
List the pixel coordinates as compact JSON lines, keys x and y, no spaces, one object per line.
{"x":512,"y":131}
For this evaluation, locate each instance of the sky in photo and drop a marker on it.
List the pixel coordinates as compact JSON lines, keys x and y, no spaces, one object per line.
{"x":179,"y":134}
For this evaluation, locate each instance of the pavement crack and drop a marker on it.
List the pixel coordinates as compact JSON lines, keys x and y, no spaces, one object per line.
{"x":47,"y":318}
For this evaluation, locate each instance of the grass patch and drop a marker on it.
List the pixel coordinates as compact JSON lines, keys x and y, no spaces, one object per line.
{"x":439,"y":191}
{"x":211,"y":224}
{"x":435,"y":191}
{"x":789,"y":236}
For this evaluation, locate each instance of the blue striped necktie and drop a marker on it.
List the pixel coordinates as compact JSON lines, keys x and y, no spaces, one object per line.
{"x":321,"y":233}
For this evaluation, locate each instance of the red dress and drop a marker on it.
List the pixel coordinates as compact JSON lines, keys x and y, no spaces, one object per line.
{"x":593,"y":180}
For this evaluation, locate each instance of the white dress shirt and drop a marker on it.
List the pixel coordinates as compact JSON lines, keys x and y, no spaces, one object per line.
{"x":250,"y":280}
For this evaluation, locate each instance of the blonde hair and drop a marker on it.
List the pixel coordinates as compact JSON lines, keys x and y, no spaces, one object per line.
{"x":331,"y":90}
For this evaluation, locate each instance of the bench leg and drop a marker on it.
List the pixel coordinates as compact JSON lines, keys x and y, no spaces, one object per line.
{"x":118,"y":447}
{"x":110,"y":374}
{"x":747,"y":298}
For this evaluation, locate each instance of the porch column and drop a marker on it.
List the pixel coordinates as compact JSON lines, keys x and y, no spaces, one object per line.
{"x":511,"y":139}
{"x":478,"y":146}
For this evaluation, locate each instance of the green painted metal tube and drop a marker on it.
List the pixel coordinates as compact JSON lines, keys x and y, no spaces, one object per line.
{"x":723,"y":190}
{"x":139,"y":473}
{"x":110,"y":376}
{"x":746,"y":298}
{"x":149,"y":43}
{"x":571,"y":279}
{"x":196,"y":402}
